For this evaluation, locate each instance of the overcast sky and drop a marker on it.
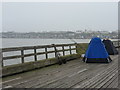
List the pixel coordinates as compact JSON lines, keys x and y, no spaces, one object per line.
{"x":59,"y":16}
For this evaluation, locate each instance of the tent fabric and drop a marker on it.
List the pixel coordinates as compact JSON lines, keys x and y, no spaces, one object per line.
{"x":96,"y":52}
{"x":110,"y":47}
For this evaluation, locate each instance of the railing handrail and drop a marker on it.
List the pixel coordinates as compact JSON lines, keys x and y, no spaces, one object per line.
{"x":32,"y":47}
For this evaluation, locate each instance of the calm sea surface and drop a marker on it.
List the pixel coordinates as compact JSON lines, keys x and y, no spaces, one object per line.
{"x":9,"y":42}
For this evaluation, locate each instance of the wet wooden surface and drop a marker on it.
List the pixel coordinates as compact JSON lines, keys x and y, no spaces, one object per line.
{"x":73,"y":74}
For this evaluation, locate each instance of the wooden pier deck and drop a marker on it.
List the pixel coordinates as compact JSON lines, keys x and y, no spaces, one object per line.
{"x":73,"y":74}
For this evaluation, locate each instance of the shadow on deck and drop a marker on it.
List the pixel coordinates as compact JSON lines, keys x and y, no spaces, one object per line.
{"x":74,"y":74}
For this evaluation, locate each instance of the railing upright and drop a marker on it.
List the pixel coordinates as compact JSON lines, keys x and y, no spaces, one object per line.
{"x":63,"y":50}
{"x":46,"y":53}
{"x":22,"y":56}
{"x":35,"y":52}
{"x":1,"y":56}
{"x":70,"y":49}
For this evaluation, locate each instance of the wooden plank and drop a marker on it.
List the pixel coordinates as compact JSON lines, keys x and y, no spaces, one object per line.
{"x":12,"y":57}
{"x":42,"y":75}
{"x":64,"y":75}
{"x":114,"y":83}
{"x":110,"y":81}
{"x":52,"y":82}
{"x":62,"y":85}
{"x":11,"y":49}
{"x":95,"y":79}
{"x":78,"y":78}
{"x":64,"y":45}
{"x":32,"y":47}
{"x":23,"y":48}
{"x":99,"y":80}
{"x":104,"y":78}
{"x":91,"y":81}
{"x":25,"y":55}
{"x":53,"y":77}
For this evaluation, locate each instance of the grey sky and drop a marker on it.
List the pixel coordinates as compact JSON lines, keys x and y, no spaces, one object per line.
{"x":53,"y":16}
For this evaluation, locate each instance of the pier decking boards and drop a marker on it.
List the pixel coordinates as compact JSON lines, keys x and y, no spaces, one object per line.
{"x":73,"y":74}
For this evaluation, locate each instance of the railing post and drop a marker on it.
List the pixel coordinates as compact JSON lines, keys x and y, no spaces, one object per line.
{"x":63,"y":50}
{"x":115,"y":43}
{"x":35,"y":52}
{"x":1,"y":56}
{"x":22,"y":56}
{"x":76,"y":48}
{"x":118,"y":43}
{"x":70,"y":49}
{"x":46,"y":54}
{"x":55,"y":51}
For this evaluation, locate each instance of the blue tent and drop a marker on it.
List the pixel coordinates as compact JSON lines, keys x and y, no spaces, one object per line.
{"x":96,"y":52}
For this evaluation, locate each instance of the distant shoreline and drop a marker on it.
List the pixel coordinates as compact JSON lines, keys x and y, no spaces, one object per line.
{"x":44,"y":38}
{"x":48,"y":38}
{"x":60,"y":35}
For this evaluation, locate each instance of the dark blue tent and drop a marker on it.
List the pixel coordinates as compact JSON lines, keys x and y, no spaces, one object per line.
{"x":96,"y":52}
